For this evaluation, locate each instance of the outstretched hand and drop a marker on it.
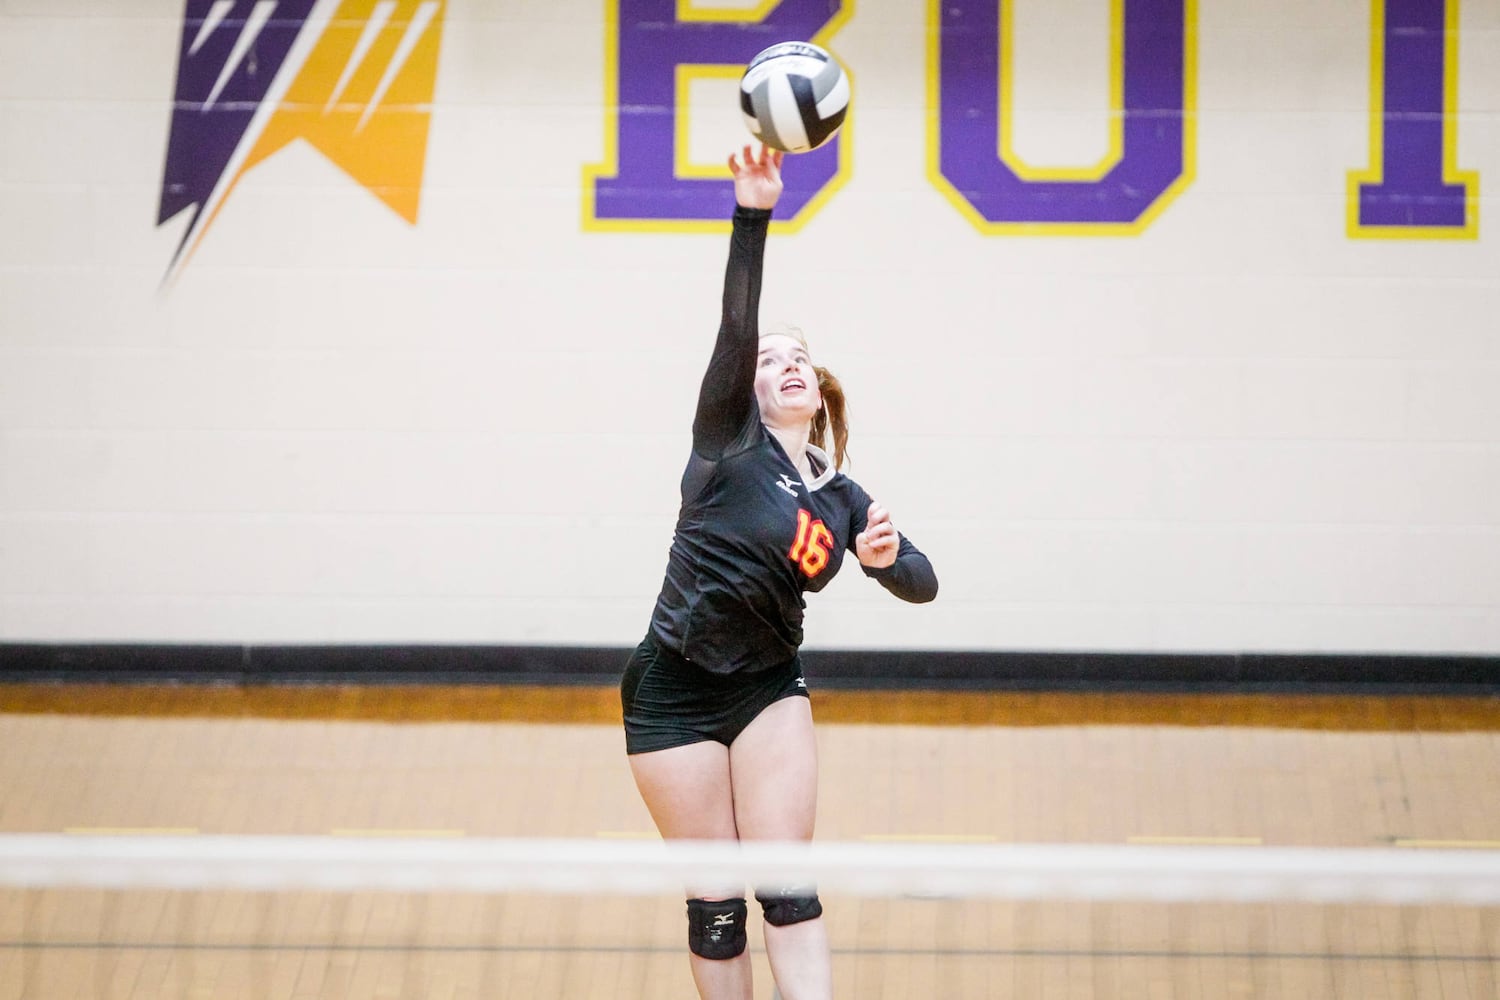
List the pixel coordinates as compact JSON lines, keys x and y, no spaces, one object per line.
{"x":757,"y":180}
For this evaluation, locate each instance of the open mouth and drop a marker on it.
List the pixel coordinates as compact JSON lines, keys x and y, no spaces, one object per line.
{"x":792,"y":384}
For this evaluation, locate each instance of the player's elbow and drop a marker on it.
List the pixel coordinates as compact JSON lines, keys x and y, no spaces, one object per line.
{"x":921,"y":591}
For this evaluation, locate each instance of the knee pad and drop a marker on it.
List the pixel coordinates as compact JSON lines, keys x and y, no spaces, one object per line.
{"x":716,"y":928}
{"x":790,"y":906}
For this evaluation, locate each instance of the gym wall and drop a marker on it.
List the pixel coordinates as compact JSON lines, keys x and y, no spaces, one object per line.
{"x":1167,"y":327}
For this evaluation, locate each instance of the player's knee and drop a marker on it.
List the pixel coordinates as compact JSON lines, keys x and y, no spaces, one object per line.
{"x":790,"y":906}
{"x":716,"y":928}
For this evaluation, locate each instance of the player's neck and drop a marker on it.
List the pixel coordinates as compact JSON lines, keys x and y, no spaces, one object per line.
{"x":793,"y":441}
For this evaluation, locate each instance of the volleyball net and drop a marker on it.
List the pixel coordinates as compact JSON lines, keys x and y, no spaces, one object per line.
{"x":270,"y":916}
{"x":1141,"y":873}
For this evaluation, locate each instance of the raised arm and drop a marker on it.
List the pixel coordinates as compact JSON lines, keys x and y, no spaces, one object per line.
{"x":728,"y":391}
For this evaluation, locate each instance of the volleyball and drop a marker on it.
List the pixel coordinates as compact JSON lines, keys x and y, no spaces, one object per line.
{"x":794,"y":96}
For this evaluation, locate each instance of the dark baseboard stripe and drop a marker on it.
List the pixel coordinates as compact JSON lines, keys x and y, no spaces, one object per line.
{"x":849,"y":668}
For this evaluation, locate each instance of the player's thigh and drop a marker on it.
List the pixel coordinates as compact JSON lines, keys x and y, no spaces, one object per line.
{"x":774,"y":764}
{"x":687,"y":790}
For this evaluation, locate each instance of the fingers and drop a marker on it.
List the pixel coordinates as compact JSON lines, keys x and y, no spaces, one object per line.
{"x":769,"y":157}
{"x":757,"y":177}
{"x":735,"y":169}
{"x":880,"y":543}
{"x":767,"y":160}
{"x":880,"y":532}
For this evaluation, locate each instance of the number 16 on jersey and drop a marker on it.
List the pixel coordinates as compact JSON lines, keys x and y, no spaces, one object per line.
{"x":810,"y":549}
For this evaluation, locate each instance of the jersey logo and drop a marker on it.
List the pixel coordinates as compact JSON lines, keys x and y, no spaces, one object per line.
{"x":810,"y":549}
{"x":788,"y":483}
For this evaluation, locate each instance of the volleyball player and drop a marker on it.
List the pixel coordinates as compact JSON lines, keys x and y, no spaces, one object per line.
{"x":717,"y":721}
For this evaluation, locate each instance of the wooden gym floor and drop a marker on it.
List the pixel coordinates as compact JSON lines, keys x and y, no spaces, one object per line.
{"x":1418,"y":773}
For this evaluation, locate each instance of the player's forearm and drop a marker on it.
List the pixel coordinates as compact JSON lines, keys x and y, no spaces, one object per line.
{"x":910,"y":577}
{"x":729,"y":382}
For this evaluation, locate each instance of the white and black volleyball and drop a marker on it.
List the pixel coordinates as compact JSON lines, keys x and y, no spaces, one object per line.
{"x":794,"y":96}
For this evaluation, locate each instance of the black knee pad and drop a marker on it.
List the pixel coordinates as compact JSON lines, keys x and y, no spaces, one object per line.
{"x":790,"y":906}
{"x":716,"y":928}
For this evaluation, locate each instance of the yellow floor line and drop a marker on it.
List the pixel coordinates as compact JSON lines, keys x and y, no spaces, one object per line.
{"x":1486,"y":845}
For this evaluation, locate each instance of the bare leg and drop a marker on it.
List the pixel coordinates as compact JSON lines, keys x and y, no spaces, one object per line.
{"x":687,"y":790}
{"x":774,"y":767}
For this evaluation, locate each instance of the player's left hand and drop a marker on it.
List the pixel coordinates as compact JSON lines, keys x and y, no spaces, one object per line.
{"x":877,"y":545}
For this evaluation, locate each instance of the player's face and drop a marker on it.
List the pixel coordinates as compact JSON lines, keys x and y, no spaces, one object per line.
{"x":785,"y":385}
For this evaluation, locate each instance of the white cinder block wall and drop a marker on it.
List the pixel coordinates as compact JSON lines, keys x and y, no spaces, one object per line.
{"x":1239,"y":430}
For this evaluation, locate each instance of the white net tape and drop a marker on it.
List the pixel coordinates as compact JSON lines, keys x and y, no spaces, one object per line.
{"x":1396,"y":876}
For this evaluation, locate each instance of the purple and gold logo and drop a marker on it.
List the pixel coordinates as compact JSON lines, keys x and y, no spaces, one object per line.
{"x":352,"y":78}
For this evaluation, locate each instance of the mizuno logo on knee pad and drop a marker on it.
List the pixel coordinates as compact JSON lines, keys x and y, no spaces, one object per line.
{"x":716,"y":928}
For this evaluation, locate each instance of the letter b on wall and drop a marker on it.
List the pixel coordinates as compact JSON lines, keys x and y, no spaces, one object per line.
{"x":651,"y":41}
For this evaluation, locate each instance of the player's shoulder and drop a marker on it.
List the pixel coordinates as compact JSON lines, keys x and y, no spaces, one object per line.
{"x":841,"y":486}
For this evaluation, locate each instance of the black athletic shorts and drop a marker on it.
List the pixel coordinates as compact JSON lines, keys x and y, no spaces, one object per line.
{"x":670,"y":702}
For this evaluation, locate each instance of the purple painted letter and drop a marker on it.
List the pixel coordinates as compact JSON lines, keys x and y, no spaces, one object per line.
{"x":652,"y":44}
{"x":1412,"y":189}
{"x":1156,"y":97}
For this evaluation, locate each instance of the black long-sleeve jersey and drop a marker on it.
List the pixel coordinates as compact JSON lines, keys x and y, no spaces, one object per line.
{"x":751,"y":537}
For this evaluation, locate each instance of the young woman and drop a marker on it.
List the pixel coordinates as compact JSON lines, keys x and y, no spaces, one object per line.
{"x":718,"y":725}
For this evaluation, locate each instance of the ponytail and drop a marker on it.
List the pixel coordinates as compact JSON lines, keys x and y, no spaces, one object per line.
{"x":832,"y":415}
